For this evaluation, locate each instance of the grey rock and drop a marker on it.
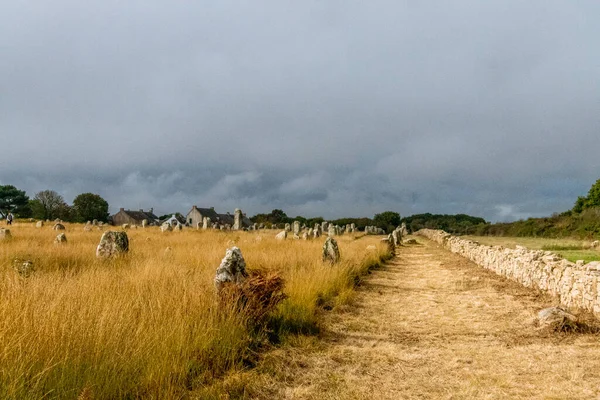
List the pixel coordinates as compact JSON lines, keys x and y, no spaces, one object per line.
{"x":232,"y":269}
{"x":5,"y":234}
{"x":281,"y":235}
{"x":112,"y":244}
{"x":331,"y":251}
{"x":58,"y":227}
{"x":555,"y":318}
{"x":60,"y":238}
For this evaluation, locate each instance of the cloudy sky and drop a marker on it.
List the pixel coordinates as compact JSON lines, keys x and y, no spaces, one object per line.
{"x":320,"y":108}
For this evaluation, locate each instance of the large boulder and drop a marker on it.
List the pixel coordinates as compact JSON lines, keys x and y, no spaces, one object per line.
{"x":60,"y":238}
{"x":58,"y":227}
{"x":556,"y":318}
{"x":5,"y":234}
{"x":232,"y":269}
{"x":281,"y":235}
{"x":112,"y":244}
{"x":331,"y":251}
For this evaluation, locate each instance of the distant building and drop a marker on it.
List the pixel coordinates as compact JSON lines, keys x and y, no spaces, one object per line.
{"x":134,"y":217}
{"x":197,"y":214}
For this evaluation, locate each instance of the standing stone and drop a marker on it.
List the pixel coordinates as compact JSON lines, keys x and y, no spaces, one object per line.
{"x":390,"y":244}
{"x":237,"y":220}
{"x":347,"y":228}
{"x":58,"y":227}
{"x":125,"y":226}
{"x":255,"y":226}
{"x":206,"y":223}
{"x":305,"y":236}
{"x":87,"y":228}
{"x":144,"y":223}
{"x":352,"y":227}
{"x":281,"y":235}
{"x":317,"y":231}
{"x":324,"y":226}
{"x":288,"y":228}
{"x":112,"y":244}
{"x":395,"y":235}
{"x":95,"y":222}
{"x":165,"y":228}
{"x":24,"y":268}
{"x":296,"y":227}
{"x":178,"y":227}
{"x":595,"y":244}
{"x":331,"y":231}
{"x":60,"y":238}
{"x":232,"y":269}
{"x":331,"y":252}
{"x":39,"y":224}
{"x":403,"y":229}
{"x":5,"y":234}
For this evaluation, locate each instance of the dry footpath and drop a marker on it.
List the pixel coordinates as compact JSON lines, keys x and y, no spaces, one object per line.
{"x":433,"y":325}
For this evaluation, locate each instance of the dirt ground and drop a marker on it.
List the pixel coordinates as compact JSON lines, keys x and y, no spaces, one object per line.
{"x":432,"y":325}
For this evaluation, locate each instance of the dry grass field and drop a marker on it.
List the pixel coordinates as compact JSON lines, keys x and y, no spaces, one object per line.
{"x":148,"y":325}
{"x":571,"y":249}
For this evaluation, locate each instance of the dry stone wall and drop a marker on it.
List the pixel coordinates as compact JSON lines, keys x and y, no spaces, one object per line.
{"x":576,"y":285}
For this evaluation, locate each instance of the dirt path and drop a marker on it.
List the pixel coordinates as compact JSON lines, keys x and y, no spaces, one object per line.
{"x":431,"y":325}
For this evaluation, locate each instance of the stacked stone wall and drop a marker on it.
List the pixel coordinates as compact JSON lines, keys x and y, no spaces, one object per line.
{"x":576,"y":285}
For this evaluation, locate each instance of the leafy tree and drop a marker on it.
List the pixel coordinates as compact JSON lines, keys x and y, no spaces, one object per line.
{"x":593,"y":197}
{"x":50,"y":205}
{"x":90,"y":206}
{"x":387,"y":220}
{"x":13,"y":200}
{"x":274,"y":217}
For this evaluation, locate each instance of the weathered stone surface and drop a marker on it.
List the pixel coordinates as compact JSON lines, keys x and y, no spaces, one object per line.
{"x":389,"y":240}
{"x":331,"y":251}
{"x":288,"y":228}
{"x":178,"y":227}
{"x":95,"y":222}
{"x":206,"y":223}
{"x":596,"y":243}
{"x":60,"y":238}
{"x":331,"y":230}
{"x":352,"y":227}
{"x":125,"y":226}
{"x":296,"y":227}
{"x":232,"y":269}
{"x":281,"y":235}
{"x":403,"y":229}
{"x":87,"y":228}
{"x":555,"y":318}
{"x":39,"y":224}
{"x":237,"y":220}
{"x":144,"y":223}
{"x":166,"y":228}
{"x":5,"y":234}
{"x":296,"y":237}
{"x":324,"y":227}
{"x":112,"y":244}
{"x":305,"y":235}
{"x":58,"y":227}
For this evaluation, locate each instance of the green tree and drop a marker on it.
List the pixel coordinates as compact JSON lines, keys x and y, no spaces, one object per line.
{"x":387,"y":220}
{"x":14,"y":201}
{"x":90,"y":206}
{"x":593,"y":197}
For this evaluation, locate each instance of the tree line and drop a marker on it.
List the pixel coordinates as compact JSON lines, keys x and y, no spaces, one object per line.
{"x":48,"y":204}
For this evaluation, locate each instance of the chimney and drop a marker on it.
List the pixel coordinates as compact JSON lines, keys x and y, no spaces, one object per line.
{"x":141,"y":210}
{"x":121,"y":209}
{"x":194,"y":208}
{"x":152,"y":211}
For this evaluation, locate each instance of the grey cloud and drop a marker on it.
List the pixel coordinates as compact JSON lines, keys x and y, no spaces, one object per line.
{"x":318,"y":108}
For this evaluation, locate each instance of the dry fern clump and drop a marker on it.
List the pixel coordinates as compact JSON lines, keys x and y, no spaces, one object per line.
{"x":256,"y":298}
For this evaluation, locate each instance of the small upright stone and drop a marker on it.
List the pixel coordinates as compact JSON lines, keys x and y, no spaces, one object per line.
{"x":125,"y":226}
{"x":281,"y":235}
{"x":331,"y":231}
{"x":166,"y":227}
{"x":331,"y":252}
{"x":389,"y":240}
{"x":595,"y":244}
{"x":60,"y":238}
{"x":58,"y":227}
{"x":296,"y":227}
{"x":305,"y":235}
{"x":24,"y":268}
{"x":237,"y":220}
{"x":288,"y":228}
{"x":5,"y":234}
{"x":39,"y":224}
{"x":144,"y":223}
{"x":232,"y":269}
{"x":112,"y":244}
{"x":178,"y":227}
{"x":95,"y":222}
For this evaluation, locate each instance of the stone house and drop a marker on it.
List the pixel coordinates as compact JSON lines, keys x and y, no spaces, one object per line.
{"x":196,"y":215}
{"x":134,"y":217}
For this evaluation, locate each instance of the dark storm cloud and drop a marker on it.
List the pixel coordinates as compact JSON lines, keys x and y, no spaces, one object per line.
{"x":318,"y":108}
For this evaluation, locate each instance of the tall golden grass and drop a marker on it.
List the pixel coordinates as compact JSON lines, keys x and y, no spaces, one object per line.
{"x":148,"y":324}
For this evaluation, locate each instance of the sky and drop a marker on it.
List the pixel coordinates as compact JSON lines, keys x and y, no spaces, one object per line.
{"x":319,"y":108}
